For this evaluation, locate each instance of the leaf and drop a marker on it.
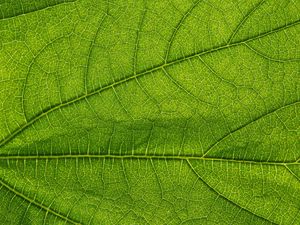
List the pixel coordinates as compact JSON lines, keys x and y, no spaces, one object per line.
{"x":149,"y":112}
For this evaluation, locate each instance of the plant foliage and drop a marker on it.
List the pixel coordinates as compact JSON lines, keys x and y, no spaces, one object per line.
{"x":149,"y":112}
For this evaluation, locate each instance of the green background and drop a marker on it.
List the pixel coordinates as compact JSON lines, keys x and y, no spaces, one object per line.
{"x":149,"y":112}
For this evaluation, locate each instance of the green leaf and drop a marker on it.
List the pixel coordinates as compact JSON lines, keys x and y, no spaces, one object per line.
{"x":149,"y":112}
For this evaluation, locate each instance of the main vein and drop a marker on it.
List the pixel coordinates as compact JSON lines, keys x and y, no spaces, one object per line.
{"x":143,"y":157}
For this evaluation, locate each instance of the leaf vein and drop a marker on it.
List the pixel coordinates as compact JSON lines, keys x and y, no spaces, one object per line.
{"x":37,"y":10}
{"x":247,"y":124}
{"x":145,"y":157}
{"x":40,"y":205}
{"x":223,"y":196}
{"x":30,"y":122}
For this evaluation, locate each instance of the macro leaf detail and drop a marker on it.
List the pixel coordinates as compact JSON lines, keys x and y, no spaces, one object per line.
{"x":149,"y":112}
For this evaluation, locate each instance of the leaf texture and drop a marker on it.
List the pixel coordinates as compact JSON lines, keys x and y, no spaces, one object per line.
{"x":149,"y":112}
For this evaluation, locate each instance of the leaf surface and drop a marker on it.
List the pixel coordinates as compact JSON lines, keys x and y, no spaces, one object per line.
{"x":149,"y":112}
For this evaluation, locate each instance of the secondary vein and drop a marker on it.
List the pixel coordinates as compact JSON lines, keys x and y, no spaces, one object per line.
{"x":134,"y":76}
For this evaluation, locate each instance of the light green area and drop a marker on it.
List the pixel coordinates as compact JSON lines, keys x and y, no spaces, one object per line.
{"x":149,"y":112}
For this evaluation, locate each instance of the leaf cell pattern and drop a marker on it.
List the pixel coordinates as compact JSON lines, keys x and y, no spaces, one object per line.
{"x":149,"y":112}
